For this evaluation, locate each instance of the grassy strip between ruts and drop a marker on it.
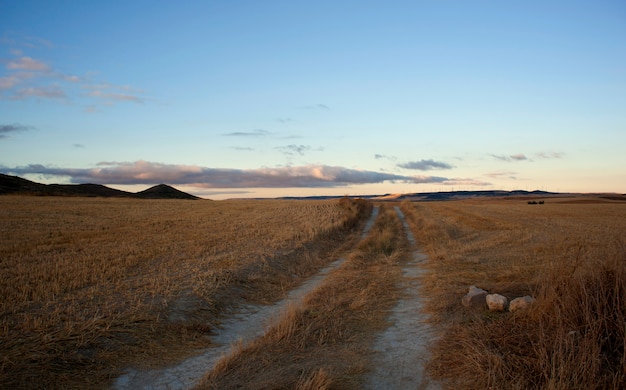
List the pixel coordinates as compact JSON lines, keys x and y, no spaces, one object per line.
{"x":324,"y":344}
{"x":570,"y":257}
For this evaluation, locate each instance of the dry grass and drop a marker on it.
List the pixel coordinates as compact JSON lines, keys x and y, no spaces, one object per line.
{"x":91,"y":285}
{"x":324,"y":344}
{"x":570,"y":256}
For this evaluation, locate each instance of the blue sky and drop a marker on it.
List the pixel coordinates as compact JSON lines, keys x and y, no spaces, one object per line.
{"x":271,"y":98}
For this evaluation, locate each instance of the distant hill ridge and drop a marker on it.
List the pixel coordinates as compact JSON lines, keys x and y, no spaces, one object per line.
{"x":19,"y":186}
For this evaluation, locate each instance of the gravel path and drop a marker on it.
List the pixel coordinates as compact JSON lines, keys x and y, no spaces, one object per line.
{"x":245,"y":325}
{"x":400,"y":352}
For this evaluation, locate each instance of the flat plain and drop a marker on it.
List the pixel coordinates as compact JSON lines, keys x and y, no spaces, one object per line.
{"x":92,"y":285}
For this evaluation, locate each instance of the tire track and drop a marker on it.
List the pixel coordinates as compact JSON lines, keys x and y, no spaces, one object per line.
{"x":243,"y":326}
{"x":401,"y":351}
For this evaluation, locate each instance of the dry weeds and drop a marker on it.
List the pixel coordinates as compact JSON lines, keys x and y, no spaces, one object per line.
{"x":91,"y":285}
{"x":325,"y":342}
{"x":570,"y":256}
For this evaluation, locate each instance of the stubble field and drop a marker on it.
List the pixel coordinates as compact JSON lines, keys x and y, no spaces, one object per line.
{"x":90,"y":286}
{"x":569,"y":254}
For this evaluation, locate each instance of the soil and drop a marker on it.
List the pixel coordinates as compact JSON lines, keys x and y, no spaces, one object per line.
{"x":401,"y":351}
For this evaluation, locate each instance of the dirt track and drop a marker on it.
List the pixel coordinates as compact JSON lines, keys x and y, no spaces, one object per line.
{"x":398,"y":353}
{"x":242,"y":326}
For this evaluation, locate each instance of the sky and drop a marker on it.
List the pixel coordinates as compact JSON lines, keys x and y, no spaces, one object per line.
{"x":229,"y":99}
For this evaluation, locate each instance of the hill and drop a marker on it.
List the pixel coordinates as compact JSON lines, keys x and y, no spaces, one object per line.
{"x":163,"y":191}
{"x":14,"y":185}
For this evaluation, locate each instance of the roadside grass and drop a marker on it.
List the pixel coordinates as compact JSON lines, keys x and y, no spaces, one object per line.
{"x":91,"y":285}
{"x":570,"y":256}
{"x":325,"y":343}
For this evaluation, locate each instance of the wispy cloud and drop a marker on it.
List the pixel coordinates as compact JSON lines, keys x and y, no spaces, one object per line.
{"x":31,"y":78}
{"x":550,"y":155}
{"x":253,"y":133}
{"x":319,"y":106}
{"x":5,"y":130}
{"x":46,"y":92}
{"x":292,"y":150}
{"x":513,"y":157}
{"x":465,"y":182}
{"x":145,"y":172}
{"x":242,"y":148}
{"x":110,"y":92}
{"x":384,"y":157}
{"x":502,"y":175}
{"x":285,"y":120}
{"x":21,"y":41}
{"x":27,"y":63}
{"x":425,"y":165}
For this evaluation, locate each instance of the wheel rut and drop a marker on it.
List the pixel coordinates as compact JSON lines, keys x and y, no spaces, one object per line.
{"x":241,"y":327}
{"x":401,"y":351}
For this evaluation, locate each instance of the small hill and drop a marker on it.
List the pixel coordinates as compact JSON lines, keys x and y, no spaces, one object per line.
{"x":89,"y":189}
{"x":163,"y":191}
{"x":14,"y":185}
{"x":18,"y":186}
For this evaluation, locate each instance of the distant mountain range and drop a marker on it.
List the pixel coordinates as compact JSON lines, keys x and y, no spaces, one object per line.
{"x":449,"y":195}
{"x":18,"y":186}
{"x":456,"y":195}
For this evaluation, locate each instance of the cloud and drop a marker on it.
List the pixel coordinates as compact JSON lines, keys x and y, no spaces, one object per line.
{"x":384,"y":157}
{"x":19,"y":40}
{"x":5,"y":130}
{"x":425,"y":165}
{"x":48,"y":92}
{"x":502,"y":174}
{"x":242,"y":148}
{"x":145,"y":172}
{"x":253,"y":133}
{"x":110,"y":92}
{"x":27,"y":77}
{"x":27,"y":63}
{"x":293,"y":149}
{"x":319,"y":106}
{"x":465,"y":182}
{"x":549,"y":155}
{"x":8,"y":82}
{"x":513,"y":157}
{"x":285,"y":120}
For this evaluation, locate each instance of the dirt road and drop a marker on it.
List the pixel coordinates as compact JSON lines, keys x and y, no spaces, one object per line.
{"x":400,"y":352}
{"x":241,"y":327}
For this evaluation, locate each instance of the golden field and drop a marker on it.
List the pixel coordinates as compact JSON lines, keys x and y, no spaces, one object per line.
{"x":570,"y":254}
{"x":91,"y":284}
{"x":94,"y":285}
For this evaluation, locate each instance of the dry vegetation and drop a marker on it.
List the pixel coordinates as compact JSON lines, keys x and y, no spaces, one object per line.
{"x":570,"y":256}
{"x":324,"y":344}
{"x":92,"y":285}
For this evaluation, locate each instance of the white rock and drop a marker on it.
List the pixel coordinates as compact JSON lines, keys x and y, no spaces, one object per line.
{"x":496,"y":302}
{"x":475,"y":298}
{"x":521,"y":303}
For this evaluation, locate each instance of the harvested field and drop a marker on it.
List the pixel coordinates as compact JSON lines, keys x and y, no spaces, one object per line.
{"x":93,"y":285}
{"x":96,"y":286}
{"x":570,"y":256}
{"x":325,"y":343}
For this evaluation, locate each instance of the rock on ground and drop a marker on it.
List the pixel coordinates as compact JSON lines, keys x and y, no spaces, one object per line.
{"x":496,"y":302}
{"x":521,"y":303}
{"x":475,"y":298}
